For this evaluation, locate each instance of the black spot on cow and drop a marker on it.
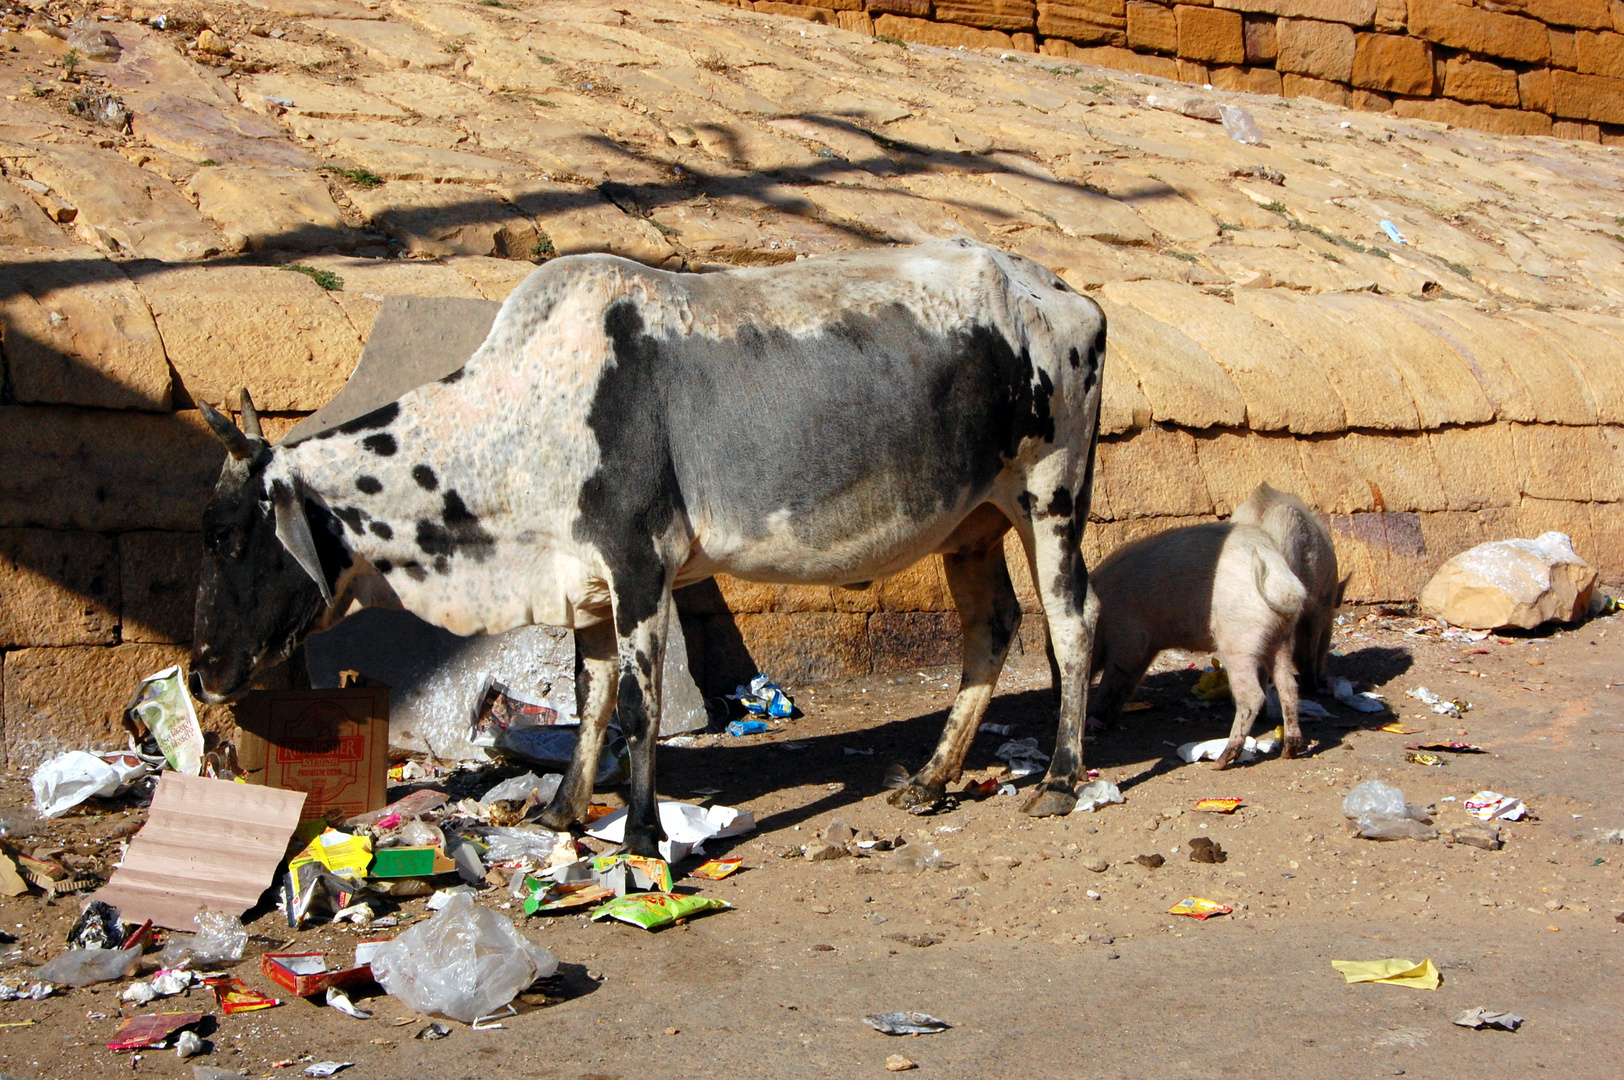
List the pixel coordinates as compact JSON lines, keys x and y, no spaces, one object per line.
{"x":453,"y":377}
{"x":383,"y":566}
{"x":415,"y":571}
{"x":457,"y":532}
{"x":1026,"y":502}
{"x":352,"y":516}
{"x":381,"y":530}
{"x":368,"y":485}
{"x":442,"y":565}
{"x":1059,"y":504}
{"x":383,"y":444}
{"x":377,"y":418}
{"x":1074,"y":356}
{"x":425,"y":477}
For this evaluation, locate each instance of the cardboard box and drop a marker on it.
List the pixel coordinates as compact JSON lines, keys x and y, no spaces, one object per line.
{"x":307,"y":973}
{"x":397,"y":862}
{"x":333,"y":745}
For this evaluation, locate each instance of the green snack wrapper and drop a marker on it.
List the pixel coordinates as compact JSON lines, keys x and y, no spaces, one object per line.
{"x":653,"y":910}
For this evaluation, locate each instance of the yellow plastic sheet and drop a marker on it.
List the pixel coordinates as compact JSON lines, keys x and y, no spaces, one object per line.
{"x":345,"y":855}
{"x":1422,"y":976}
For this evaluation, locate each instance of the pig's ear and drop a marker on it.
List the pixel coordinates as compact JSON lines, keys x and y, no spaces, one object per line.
{"x":293,"y":529}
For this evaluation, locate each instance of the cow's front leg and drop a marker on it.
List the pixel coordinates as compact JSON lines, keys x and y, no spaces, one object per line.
{"x":640,"y":633}
{"x":988,"y":613}
{"x":596,"y":683}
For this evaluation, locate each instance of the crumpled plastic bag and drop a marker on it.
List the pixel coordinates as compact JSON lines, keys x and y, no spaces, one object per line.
{"x":1095,"y":794}
{"x":1394,"y":972}
{"x":86,"y":967}
{"x":1211,"y":749}
{"x":504,"y":843}
{"x":522,"y":787}
{"x":220,"y":939}
{"x":687,"y":827}
{"x":464,"y":963}
{"x":1367,"y":702}
{"x":70,"y":778}
{"x":1382,"y":814}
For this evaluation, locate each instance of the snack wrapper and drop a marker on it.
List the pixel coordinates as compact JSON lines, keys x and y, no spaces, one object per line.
{"x":654,"y":910}
{"x":1218,"y":806}
{"x":548,"y":896}
{"x":716,"y":869}
{"x":236,"y":996}
{"x":162,"y":708}
{"x":1199,"y":908}
{"x":340,"y":853}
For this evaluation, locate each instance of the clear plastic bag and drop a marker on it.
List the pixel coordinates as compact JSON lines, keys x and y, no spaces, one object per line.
{"x":503,"y":844}
{"x":1382,"y":814}
{"x":464,"y":963}
{"x":1240,"y":125}
{"x":913,"y":859}
{"x":220,"y":939}
{"x":522,"y":787}
{"x":86,"y":967}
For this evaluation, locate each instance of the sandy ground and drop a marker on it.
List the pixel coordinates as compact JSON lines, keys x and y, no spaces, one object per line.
{"x":1044,"y":966}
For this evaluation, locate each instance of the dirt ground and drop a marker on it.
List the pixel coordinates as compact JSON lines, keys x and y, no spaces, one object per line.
{"x":1045,"y":966}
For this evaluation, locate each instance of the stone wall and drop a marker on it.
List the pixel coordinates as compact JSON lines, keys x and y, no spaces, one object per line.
{"x":1519,"y":67}
{"x":1465,"y":385}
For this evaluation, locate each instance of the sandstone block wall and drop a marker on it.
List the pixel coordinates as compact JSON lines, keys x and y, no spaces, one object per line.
{"x":244,"y":230}
{"x":1521,"y":67}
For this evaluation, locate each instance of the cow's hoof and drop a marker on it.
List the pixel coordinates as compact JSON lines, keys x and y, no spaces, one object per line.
{"x":555,"y":819}
{"x":1224,"y":761}
{"x":644,"y":844}
{"x":1292,"y":748}
{"x":916,"y":798}
{"x":1050,"y":802}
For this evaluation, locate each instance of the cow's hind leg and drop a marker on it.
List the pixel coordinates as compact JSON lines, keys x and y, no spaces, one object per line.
{"x":988,"y":614}
{"x":642,"y":611}
{"x":595,"y":692}
{"x":1053,"y":537}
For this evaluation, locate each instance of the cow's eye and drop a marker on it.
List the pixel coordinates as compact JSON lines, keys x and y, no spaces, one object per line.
{"x":219,"y":540}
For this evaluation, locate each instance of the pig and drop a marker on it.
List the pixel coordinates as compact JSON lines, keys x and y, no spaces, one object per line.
{"x":1302,"y":538}
{"x":1220,"y":587}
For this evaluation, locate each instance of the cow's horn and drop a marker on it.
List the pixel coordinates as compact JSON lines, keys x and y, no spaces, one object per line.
{"x":293,"y":529}
{"x":250,"y":416}
{"x":236,"y":442}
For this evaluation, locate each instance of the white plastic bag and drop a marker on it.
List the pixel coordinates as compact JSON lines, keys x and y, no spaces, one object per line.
{"x":687,"y":827}
{"x":69,"y":779}
{"x":1382,"y":814}
{"x":1240,"y":125}
{"x":503,"y":844}
{"x":464,"y":963}
{"x":1095,"y":794}
{"x":1367,"y":702}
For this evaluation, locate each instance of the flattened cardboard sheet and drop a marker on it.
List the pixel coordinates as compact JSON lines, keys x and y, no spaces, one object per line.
{"x":207,"y":845}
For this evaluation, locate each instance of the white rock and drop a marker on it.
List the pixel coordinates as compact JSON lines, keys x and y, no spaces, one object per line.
{"x":1511,"y":583}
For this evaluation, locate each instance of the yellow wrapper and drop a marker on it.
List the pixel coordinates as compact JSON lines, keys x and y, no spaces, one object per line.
{"x":1422,"y":976}
{"x":1218,"y":806}
{"x":1198,"y":907}
{"x":345,"y":855}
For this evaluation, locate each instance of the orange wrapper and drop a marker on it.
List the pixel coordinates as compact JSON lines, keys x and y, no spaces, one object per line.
{"x":1218,"y":806}
{"x":716,"y":869}
{"x":594,"y":811}
{"x":1396,"y":728}
{"x":1199,"y":908}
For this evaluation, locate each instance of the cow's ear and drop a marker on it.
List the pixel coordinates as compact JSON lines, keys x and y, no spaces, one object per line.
{"x":293,"y":529}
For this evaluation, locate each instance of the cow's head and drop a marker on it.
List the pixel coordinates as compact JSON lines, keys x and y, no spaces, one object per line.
{"x":270,"y":561}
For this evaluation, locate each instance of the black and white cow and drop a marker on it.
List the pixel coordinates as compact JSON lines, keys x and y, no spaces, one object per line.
{"x":624,"y":431}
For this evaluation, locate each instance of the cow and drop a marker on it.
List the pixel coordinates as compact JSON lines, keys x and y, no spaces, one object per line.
{"x":624,"y":431}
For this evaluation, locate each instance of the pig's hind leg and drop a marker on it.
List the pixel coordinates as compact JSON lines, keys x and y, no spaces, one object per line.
{"x":1285,"y":681}
{"x":1247,"y":689}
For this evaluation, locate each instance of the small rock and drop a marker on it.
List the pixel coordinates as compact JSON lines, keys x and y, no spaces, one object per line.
{"x":213,"y":44}
{"x":823,"y":946}
{"x":898,"y":1063}
{"x":1553,"y":905}
{"x":822,"y":909}
{"x":823,"y":852}
{"x":1204,"y":849}
{"x":1151,"y":861}
{"x":1099,"y":866}
{"x":1008,"y":862}
{"x":839,"y":832}
{"x":1478,"y":835}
